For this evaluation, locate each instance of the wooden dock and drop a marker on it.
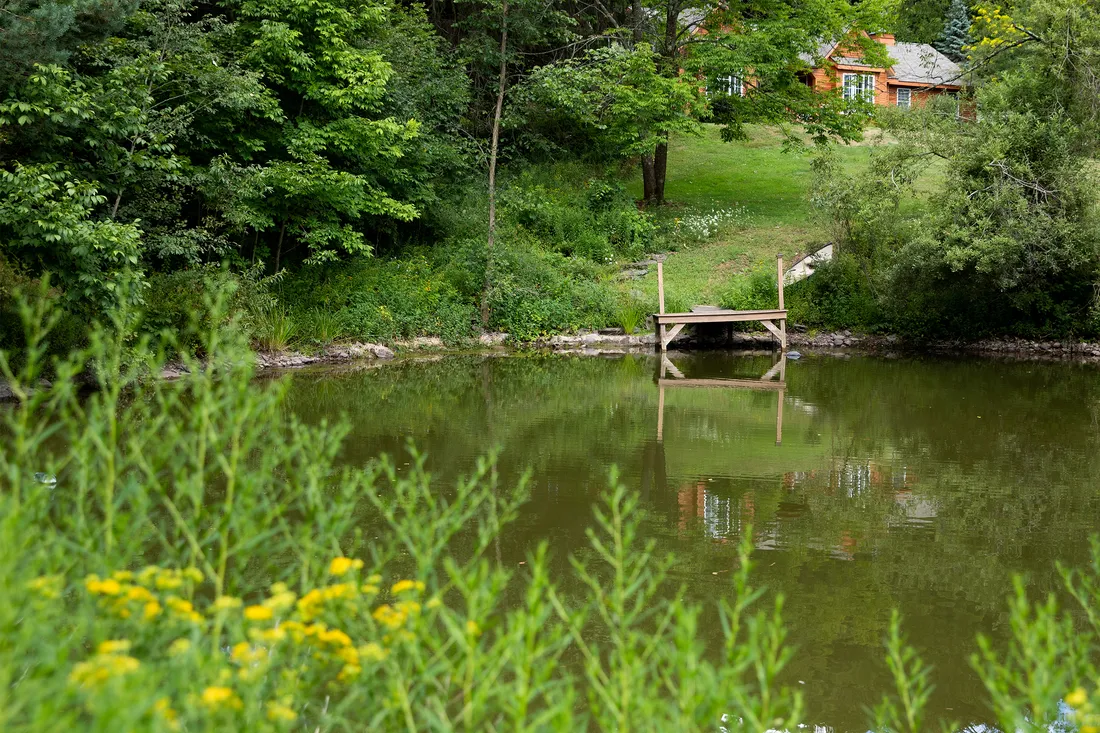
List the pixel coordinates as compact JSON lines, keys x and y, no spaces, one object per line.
{"x":669,"y":325}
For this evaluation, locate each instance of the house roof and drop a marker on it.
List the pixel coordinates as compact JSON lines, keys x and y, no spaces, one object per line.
{"x":824,"y":48}
{"x":920,"y":63}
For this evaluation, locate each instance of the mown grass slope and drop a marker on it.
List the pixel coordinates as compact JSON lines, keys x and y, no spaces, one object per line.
{"x":768,"y":186}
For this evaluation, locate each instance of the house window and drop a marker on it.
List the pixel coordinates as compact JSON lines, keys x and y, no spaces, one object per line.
{"x":905,"y":97}
{"x":731,"y":85}
{"x":858,"y":86}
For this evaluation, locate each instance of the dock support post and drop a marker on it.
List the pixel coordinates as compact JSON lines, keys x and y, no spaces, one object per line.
{"x":661,"y":301}
{"x":782,"y":323}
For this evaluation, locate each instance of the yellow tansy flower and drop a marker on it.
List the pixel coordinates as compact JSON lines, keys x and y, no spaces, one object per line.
{"x":404,"y":585}
{"x":151,"y":611}
{"x":334,"y":637}
{"x":225,"y":603}
{"x":1077,"y":698}
{"x":109,"y":587}
{"x":118,"y":646}
{"x":341,"y":565}
{"x":178,"y":647}
{"x":373,"y":652}
{"x":258,"y":613}
{"x":245,"y":653}
{"x":218,"y":698}
{"x":137,"y":593}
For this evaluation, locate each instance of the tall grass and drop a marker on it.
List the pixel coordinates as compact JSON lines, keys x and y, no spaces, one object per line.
{"x":203,"y":562}
{"x":275,"y":329}
{"x":630,"y":314}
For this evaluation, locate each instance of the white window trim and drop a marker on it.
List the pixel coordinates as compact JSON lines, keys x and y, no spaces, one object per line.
{"x":908,"y":97}
{"x":862,"y":84}
{"x":732,"y":85}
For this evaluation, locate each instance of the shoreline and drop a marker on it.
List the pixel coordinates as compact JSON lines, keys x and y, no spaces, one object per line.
{"x":605,"y":343}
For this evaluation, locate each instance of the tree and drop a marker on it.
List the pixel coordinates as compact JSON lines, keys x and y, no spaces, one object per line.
{"x":328,"y":160}
{"x":614,"y":95}
{"x":920,"y":21}
{"x":48,"y":31}
{"x":499,"y":30}
{"x":956,"y":32}
{"x":1043,"y":55}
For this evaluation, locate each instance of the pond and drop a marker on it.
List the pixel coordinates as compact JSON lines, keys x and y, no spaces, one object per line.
{"x":869,"y":483}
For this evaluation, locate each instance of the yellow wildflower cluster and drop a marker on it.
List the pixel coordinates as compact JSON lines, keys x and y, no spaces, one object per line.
{"x":313,"y":602}
{"x":126,"y":594}
{"x":110,"y":660}
{"x":343,"y":565}
{"x":396,"y":616}
{"x":183,"y":609}
{"x":1084,"y":713}
{"x":221,"y":698}
{"x":316,"y":647}
{"x":278,"y":712}
{"x":403,"y":586}
{"x":224,"y":604}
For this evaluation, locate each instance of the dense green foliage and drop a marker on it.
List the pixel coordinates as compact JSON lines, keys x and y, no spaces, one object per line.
{"x":921,"y":21}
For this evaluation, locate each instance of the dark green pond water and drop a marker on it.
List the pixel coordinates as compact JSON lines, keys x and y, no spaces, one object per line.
{"x":917,"y":484}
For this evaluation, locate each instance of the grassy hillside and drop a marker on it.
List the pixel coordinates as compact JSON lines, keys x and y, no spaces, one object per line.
{"x":764,"y":193}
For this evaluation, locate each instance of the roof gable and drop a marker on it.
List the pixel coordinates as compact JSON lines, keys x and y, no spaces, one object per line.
{"x":921,"y":63}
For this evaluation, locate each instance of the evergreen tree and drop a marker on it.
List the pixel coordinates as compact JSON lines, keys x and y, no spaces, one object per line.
{"x":46,"y":31}
{"x":956,"y":32}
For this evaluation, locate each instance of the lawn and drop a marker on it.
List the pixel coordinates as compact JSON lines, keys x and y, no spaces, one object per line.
{"x":768,"y":186}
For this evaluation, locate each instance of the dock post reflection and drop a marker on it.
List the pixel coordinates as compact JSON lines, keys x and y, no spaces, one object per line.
{"x":767,"y":382}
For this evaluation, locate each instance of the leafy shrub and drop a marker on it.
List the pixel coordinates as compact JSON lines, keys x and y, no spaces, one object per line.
{"x":1012,"y":242}
{"x":175,"y":302}
{"x":384,"y":299}
{"x":837,"y":295}
{"x":598,"y":221}
{"x":536,"y":293}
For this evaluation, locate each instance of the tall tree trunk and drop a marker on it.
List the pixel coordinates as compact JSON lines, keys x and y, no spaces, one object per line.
{"x":501,"y":85}
{"x":649,"y":179}
{"x":670,"y":60}
{"x":660,"y":166}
